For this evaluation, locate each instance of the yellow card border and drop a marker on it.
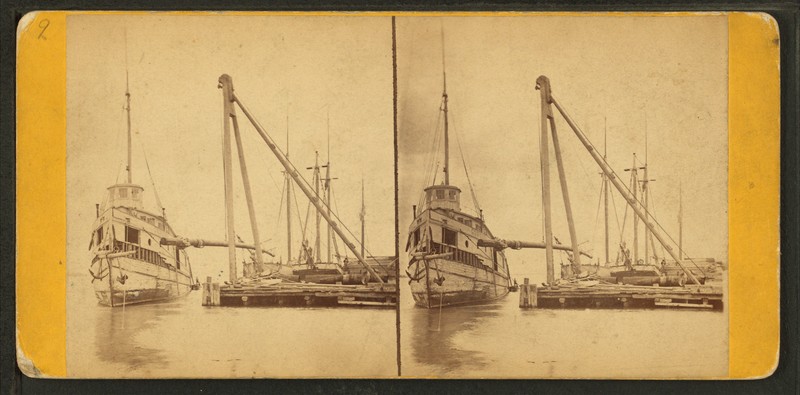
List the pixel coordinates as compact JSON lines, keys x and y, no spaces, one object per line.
{"x":753,"y":186}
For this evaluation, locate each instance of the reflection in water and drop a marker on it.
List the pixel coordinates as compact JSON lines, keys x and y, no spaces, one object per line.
{"x":117,"y":329}
{"x":500,"y":340}
{"x":181,"y":338}
{"x":435,"y":330}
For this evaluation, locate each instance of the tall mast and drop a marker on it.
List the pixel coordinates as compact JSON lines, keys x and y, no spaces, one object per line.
{"x":363,"y":215}
{"x":605,"y":184}
{"x":316,"y":190}
{"x":635,"y":185}
{"x":680,"y":221}
{"x":288,"y":199}
{"x":128,"y":111}
{"x":328,"y":186}
{"x":645,"y":197}
{"x":444,"y":108}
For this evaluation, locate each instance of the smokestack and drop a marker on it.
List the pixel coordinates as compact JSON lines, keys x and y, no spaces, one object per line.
{"x":97,"y":210}
{"x":415,"y":211}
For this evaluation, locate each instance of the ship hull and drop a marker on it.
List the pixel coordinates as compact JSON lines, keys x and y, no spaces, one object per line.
{"x":462,"y":284}
{"x":126,"y":281}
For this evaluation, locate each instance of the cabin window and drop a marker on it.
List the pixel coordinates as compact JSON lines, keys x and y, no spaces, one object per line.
{"x":466,"y":243}
{"x":99,"y":235}
{"x":440,"y":194}
{"x":178,"y":258}
{"x":123,"y":192}
{"x":468,"y":222}
{"x":416,"y":237}
{"x":131,"y":235}
{"x":449,"y":237}
{"x":134,"y":193}
{"x":452,"y":195}
{"x":494,"y":254}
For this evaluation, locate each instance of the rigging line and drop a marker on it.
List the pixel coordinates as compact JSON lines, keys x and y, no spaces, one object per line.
{"x":616,"y":215}
{"x":280,"y":210}
{"x":152,"y":181}
{"x":597,"y":215}
{"x":297,"y":208}
{"x":432,"y":170}
{"x":466,"y":171}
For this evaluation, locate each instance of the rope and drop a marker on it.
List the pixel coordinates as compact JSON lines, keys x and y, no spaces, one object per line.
{"x":152,"y":181}
{"x":466,"y":171}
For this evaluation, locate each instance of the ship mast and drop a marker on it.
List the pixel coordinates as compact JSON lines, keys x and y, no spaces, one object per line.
{"x":363,"y":215}
{"x":680,"y":221}
{"x":605,"y":184}
{"x":288,"y":200}
{"x":128,"y":111}
{"x":444,"y":109}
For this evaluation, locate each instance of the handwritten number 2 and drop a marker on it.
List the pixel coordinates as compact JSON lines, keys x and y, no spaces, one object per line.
{"x":43,"y":25}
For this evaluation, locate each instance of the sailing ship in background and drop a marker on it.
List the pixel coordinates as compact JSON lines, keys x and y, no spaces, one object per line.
{"x":448,"y":264}
{"x":129,"y":265}
{"x":336,"y":265}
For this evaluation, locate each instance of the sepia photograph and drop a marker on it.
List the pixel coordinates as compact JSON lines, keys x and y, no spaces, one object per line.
{"x":563,"y":196}
{"x":230,"y":196}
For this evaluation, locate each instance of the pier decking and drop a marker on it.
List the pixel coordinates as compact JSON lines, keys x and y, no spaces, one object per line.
{"x":703,"y":297}
{"x":293,"y":294}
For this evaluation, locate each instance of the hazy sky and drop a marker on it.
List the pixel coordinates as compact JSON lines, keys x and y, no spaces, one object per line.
{"x":303,"y":68}
{"x":668,"y":73}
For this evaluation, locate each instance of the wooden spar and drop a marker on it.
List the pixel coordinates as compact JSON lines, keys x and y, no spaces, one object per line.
{"x":614,"y":179}
{"x":317,"y":242}
{"x":200,"y":243}
{"x":304,"y":187}
{"x":444,"y":109}
{"x":128,"y":111}
{"x":543,"y":84}
{"x":328,"y":185}
{"x":645,"y":196}
{"x":288,"y":217}
{"x":635,"y":187}
{"x":680,"y":221}
{"x":363,"y":215}
{"x":517,"y":245}
{"x":227,"y":96}
{"x":248,"y":194}
{"x":562,"y":176}
{"x":605,"y":187}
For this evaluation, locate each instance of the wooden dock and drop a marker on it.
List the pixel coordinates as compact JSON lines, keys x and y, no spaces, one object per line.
{"x":611,"y":296}
{"x":292,"y":294}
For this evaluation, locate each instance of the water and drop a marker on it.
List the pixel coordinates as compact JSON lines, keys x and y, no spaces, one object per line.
{"x":181,"y":338}
{"x":500,"y":340}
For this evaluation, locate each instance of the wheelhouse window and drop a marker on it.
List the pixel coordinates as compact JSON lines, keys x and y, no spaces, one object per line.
{"x":123,"y":192}
{"x":452,"y":195}
{"x":440,"y":193}
{"x":449,"y":237}
{"x":134,"y":193}
{"x":131,"y":235}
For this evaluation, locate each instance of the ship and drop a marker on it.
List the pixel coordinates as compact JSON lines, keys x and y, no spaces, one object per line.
{"x":447,"y":263}
{"x":129,"y":265}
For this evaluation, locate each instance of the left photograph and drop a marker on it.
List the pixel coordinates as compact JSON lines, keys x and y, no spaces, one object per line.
{"x":230,"y":197}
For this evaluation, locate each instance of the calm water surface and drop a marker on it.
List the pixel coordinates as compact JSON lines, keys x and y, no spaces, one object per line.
{"x":181,"y":338}
{"x":499,"y":339}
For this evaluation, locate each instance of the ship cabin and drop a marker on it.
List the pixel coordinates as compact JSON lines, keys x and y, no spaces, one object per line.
{"x":125,"y":195}
{"x":443,"y":196}
{"x":139,"y":231}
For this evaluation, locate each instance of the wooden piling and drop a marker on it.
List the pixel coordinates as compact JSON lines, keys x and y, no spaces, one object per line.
{"x":210,"y":293}
{"x":528,"y":295}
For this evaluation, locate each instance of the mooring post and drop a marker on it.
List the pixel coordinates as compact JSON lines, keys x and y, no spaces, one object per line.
{"x":534,"y":296}
{"x":207,"y":292}
{"x":523,"y":294}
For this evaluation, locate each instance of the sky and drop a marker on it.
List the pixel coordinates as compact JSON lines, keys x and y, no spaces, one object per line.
{"x":318,"y":73}
{"x":625,"y":75}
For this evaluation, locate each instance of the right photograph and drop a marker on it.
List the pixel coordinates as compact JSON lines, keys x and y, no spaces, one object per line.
{"x":563,"y":196}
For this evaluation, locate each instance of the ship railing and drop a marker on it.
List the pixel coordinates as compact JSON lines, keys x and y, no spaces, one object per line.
{"x":142,"y":254}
